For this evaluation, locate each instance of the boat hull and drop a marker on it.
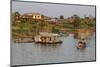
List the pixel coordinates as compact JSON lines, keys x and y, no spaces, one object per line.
{"x":59,"y":42}
{"x":81,"y":45}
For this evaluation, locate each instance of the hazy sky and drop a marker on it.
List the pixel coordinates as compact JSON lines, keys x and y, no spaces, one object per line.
{"x":53,"y":10}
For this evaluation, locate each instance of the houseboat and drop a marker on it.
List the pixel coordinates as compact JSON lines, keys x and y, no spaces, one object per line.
{"x":47,"y":38}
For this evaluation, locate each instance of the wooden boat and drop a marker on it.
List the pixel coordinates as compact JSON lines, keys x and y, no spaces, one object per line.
{"x":47,"y":38}
{"x":24,"y":40}
{"x":81,"y":44}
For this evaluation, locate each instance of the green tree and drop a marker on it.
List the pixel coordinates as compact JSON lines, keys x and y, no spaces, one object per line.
{"x":54,"y":30}
{"x":76,"y":21}
{"x":61,"y":17}
{"x":15,"y":16}
{"x":90,"y":22}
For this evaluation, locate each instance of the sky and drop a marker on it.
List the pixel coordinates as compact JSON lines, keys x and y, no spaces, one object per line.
{"x":53,"y":10}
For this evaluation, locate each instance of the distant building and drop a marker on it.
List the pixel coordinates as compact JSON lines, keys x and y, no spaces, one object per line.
{"x":31,"y":17}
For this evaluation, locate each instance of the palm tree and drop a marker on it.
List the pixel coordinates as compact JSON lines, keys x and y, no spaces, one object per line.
{"x":15,"y":16}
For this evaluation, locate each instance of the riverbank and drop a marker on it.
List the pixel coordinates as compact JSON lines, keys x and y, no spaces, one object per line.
{"x":25,"y":32}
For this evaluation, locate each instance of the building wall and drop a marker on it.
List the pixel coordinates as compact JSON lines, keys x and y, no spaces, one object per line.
{"x":37,"y":17}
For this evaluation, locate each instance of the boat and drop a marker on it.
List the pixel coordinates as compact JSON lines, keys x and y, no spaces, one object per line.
{"x":23,"y":40}
{"x":47,"y":38}
{"x":81,"y":44}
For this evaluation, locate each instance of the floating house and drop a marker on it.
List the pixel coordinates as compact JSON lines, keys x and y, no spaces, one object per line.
{"x":47,"y":38}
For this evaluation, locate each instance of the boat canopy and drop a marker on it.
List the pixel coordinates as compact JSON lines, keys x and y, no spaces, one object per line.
{"x":48,"y":34}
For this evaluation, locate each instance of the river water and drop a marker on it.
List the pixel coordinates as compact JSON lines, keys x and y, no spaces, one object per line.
{"x":31,"y":53}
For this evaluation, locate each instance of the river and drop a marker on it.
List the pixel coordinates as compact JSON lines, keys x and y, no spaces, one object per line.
{"x":31,"y":53}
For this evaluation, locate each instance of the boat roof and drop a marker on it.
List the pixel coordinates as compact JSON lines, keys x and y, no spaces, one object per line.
{"x":48,"y":34}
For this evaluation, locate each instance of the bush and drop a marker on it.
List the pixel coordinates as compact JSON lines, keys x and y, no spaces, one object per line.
{"x":54,"y":30}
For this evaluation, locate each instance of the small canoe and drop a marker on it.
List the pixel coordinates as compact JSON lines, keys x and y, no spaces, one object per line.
{"x":81,"y":44}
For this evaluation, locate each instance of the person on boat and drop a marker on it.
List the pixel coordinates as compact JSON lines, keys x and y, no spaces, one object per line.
{"x":82,"y":41}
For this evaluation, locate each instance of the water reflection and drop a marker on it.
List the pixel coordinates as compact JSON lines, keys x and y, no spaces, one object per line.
{"x":83,"y":34}
{"x":48,"y":45}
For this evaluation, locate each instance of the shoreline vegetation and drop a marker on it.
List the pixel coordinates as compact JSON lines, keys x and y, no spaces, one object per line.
{"x":24,"y":28}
